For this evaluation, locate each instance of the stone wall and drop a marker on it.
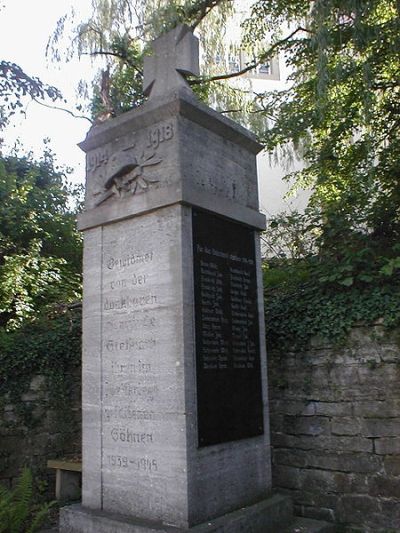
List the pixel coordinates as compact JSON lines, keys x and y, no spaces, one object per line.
{"x":335,"y":423}
{"x":34,"y":430}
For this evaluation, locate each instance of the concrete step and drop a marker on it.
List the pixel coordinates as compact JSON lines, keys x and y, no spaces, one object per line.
{"x":309,"y":525}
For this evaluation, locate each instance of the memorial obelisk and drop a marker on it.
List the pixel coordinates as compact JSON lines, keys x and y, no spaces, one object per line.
{"x":175,"y":411}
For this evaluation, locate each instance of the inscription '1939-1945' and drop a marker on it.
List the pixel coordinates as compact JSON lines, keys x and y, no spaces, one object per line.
{"x":122,"y":461}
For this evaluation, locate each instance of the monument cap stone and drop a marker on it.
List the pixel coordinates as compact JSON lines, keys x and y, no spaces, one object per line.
{"x":175,"y":54}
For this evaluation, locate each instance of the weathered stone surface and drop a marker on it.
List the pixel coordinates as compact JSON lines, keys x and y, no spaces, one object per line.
{"x":50,"y":436}
{"x":143,"y":456}
{"x":293,"y":407}
{"x":318,"y":513}
{"x":390,"y":514}
{"x":338,"y":409}
{"x":308,"y":525}
{"x":381,"y":427}
{"x":290,"y":457}
{"x":384,"y":446}
{"x":346,"y":462}
{"x":385,"y":486}
{"x":392,"y":465}
{"x":145,"y":430}
{"x":305,"y":425}
{"x":348,"y":469}
{"x":328,"y":442}
{"x":267,"y":516}
{"x":354,"y":509}
{"x":374,"y":409}
{"x":174,"y":53}
{"x":153,"y":145}
{"x":287,"y":477}
{"x":346,"y":426}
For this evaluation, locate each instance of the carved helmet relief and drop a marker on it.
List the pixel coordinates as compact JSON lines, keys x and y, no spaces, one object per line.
{"x":125,"y":173}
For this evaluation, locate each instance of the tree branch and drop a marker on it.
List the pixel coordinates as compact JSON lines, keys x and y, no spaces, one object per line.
{"x":230,"y":111}
{"x":250,"y":66}
{"x":62,"y":109}
{"x":203,"y":9}
{"x":123,"y":57}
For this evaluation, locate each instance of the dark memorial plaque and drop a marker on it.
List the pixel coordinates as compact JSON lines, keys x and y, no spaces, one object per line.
{"x":229,"y":398}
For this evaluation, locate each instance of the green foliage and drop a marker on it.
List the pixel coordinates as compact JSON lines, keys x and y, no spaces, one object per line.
{"x":323,"y":292}
{"x":117,"y":34}
{"x":15,"y":84}
{"x":339,"y":262}
{"x":343,"y":109}
{"x":40,"y":248}
{"x":300,"y":312}
{"x":125,"y":90}
{"x":18,"y":513}
{"x":50,"y":346}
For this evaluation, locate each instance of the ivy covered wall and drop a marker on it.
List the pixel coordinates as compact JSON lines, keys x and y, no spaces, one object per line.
{"x":335,"y":417}
{"x":40,"y":398}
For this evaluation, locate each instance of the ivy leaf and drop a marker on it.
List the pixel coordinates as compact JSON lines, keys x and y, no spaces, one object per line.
{"x":366,"y":277}
{"x":391,"y":266}
{"x":347,"y":282}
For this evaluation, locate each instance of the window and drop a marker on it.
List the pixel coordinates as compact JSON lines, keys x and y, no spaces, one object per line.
{"x":234,"y":62}
{"x":237,"y":61}
{"x":268,"y":70}
{"x":265,"y":68}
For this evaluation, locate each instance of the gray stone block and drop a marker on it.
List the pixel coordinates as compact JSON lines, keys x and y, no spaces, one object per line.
{"x":358,"y":509}
{"x":157,"y":140}
{"x":375,"y":409}
{"x":68,"y":486}
{"x":381,"y":427}
{"x":305,"y":425}
{"x":309,"y":525}
{"x":392,"y":465}
{"x":346,"y":462}
{"x":346,"y":426}
{"x":267,"y":516}
{"x":385,"y":486}
{"x":323,"y":442}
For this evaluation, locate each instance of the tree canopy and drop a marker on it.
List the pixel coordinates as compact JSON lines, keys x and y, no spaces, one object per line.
{"x":340,"y":111}
{"x":340,"y":108}
{"x":40,"y":248}
{"x":343,"y":108}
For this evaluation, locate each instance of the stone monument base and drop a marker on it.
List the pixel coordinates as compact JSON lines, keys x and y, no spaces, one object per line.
{"x":268,"y":516}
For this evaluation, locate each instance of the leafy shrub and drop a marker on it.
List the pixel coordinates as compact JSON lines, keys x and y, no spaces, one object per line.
{"x":342,"y":277}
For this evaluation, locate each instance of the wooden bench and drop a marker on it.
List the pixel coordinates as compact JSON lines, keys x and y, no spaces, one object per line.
{"x":68,"y":478}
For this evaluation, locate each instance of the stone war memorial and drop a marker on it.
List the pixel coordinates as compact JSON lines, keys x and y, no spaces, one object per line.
{"x":175,"y":411}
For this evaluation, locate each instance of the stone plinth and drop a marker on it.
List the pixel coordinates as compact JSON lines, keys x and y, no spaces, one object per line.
{"x":175,"y":413}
